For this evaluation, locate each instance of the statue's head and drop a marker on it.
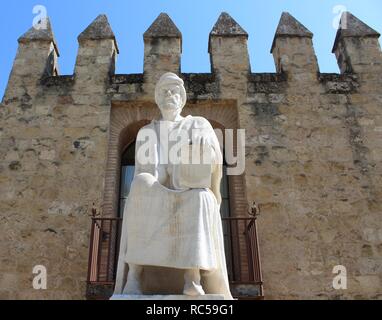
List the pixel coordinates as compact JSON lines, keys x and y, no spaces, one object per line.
{"x":170,"y":94}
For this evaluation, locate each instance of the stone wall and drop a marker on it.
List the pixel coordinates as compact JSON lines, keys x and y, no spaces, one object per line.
{"x":313,"y":152}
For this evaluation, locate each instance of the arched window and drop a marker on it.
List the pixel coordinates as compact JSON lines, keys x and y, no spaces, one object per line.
{"x":127,"y":175}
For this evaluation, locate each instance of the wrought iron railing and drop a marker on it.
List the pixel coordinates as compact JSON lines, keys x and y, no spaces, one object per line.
{"x":241,"y":246}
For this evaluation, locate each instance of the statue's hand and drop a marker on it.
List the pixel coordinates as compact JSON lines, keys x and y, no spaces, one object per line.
{"x":162,"y":174}
{"x":201,"y":140}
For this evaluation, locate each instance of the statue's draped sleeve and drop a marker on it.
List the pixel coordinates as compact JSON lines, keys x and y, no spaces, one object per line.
{"x":210,"y":137}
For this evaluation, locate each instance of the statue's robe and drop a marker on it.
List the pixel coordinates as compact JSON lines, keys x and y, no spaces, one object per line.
{"x":168,"y":224}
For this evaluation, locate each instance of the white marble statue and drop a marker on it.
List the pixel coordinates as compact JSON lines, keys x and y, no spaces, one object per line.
{"x":172,"y":214}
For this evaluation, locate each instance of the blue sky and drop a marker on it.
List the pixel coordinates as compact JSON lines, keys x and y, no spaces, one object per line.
{"x":195,"y":19}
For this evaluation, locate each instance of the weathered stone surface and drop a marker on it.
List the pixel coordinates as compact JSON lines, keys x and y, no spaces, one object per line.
{"x":293,"y":51}
{"x":351,"y":26}
{"x":97,"y":30}
{"x":357,"y":49}
{"x":289,"y":27}
{"x":38,"y":32}
{"x":162,"y":52}
{"x":163,"y":26}
{"x":227,"y":26}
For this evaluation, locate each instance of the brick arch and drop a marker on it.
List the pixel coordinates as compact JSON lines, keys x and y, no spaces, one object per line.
{"x":128,"y":134}
{"x":127,"y":118}
{"x":216,"y":125}
{"x":125,"y":121}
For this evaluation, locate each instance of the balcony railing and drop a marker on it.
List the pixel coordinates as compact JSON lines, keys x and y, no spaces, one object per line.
{"x":241,"y":246}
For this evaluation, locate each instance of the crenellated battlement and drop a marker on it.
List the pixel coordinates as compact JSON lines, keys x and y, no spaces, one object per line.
{"x":356,"y":48}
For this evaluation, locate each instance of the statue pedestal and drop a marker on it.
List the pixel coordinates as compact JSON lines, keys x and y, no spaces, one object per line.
{"x":167,"y":297}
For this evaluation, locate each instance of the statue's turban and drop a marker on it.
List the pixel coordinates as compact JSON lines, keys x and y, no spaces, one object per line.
{"x":168,"y":79}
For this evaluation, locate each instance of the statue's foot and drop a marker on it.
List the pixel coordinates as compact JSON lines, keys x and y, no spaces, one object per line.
{"x":132,"y":288}
{"x":192,"y":286}
{"x":193,"y":289}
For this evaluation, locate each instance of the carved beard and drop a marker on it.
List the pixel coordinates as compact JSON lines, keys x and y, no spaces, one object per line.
{"x":171,"y":113}
{"x":171,"y":110}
